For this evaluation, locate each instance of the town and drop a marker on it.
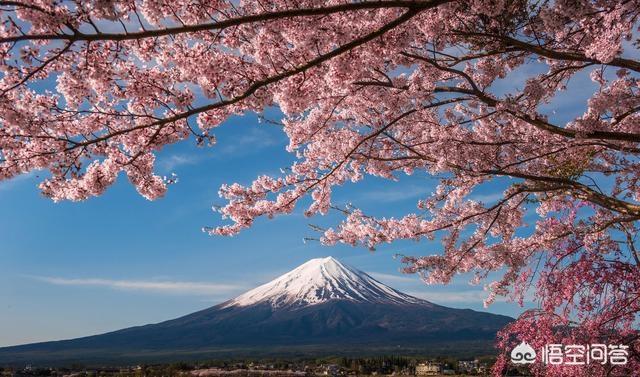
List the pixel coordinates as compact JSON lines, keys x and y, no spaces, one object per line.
{"x":339,"y":366}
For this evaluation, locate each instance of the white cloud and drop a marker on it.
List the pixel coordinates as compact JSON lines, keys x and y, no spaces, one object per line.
{"x":468,"y":296}
{"x":167,"y":287}
{"x":14,"y":182}
{"x":248,"y":142}
{"x":415,"y":191}
{"x":173,"y":161}
{"x":397,"y":194}
{"x":440,"y":295}
{"x":391,"y":278}
{"x":488,"y":197}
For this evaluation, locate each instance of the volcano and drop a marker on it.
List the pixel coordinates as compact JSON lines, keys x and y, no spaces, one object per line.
{"x":320,"y":307}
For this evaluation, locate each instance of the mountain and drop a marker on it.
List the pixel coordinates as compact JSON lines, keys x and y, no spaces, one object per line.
{"x":318,"y":281}
{"x":321,"y":307}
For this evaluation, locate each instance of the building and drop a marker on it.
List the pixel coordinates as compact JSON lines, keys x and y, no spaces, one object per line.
{"x":331,"y":370}
{"x":468,"y":365}
{"x":427,"y":369}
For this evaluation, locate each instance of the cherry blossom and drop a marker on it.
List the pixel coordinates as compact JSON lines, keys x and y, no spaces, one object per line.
{"x":371,"y":88}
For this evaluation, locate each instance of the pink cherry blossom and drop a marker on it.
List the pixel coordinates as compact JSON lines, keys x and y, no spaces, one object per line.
{"x":371,"y":88}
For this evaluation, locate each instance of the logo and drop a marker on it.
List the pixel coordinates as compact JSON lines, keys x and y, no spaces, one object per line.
{"x":523,"y":354}
{"x":572,"y":354}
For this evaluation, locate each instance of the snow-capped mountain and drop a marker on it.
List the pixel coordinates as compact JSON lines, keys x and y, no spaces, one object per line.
{"x":320,"y":280}
{"x":318,"y":306}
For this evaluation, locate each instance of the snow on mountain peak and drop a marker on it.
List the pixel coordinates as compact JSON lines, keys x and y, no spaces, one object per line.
{"x":320,"y":280}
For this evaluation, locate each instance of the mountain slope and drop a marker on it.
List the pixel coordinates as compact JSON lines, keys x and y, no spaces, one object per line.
{"x":320,"y":304}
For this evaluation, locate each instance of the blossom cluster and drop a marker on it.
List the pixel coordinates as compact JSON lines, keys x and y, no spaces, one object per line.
{"x":369,"y":88}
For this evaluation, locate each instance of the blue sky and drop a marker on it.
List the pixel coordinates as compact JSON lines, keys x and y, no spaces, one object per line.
{"x":74,"y":269}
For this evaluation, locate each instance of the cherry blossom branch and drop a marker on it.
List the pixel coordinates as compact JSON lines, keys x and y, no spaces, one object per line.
{"x":258,"y":84}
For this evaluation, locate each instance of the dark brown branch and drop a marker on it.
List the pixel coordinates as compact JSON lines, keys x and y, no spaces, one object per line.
{"x":554,"y":53}
{"x":414,"y":5}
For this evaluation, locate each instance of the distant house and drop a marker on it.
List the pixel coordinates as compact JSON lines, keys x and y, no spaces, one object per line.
{"x":427,"y":369}
{"x":483,"y":368}
{"x":331,"y":370}
{"x":468,"y":365}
